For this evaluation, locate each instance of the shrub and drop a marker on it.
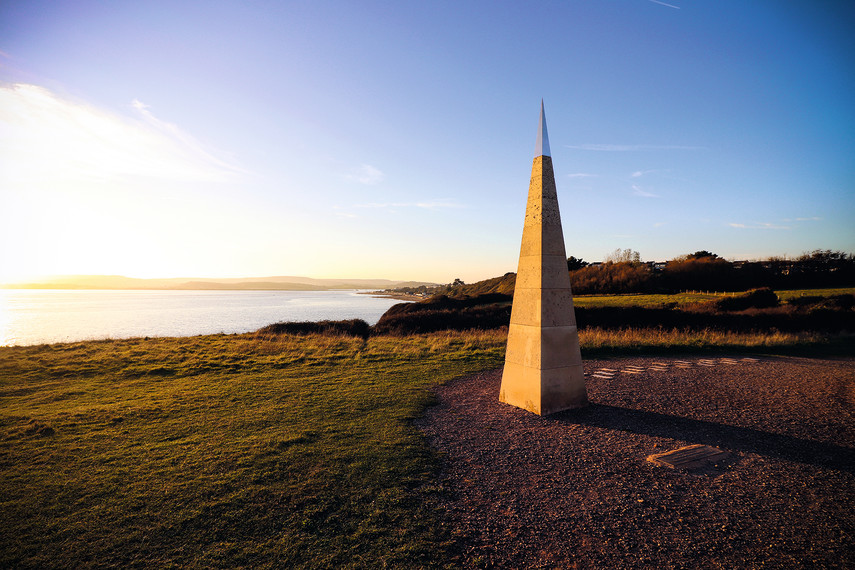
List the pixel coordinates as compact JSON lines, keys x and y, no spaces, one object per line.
{"x":805,"y":300}
{"x":352,"y":327}
{"x":845,"y":302}
{"x":755,"y":299}
{"x":839,"y":302}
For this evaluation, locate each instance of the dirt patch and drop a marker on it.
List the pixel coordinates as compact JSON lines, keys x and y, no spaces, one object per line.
{"x":574,"y":490}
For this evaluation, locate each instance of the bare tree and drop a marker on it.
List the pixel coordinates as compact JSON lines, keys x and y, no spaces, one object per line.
{"x":623,"y":256}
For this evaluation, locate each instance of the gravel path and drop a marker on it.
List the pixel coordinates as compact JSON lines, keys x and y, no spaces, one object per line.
{"x":574,"y":490}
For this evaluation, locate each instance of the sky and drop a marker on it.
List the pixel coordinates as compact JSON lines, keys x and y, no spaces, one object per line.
{"x":395,"y":139}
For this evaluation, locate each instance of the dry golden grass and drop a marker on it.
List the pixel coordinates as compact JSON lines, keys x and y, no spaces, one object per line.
{"x":639,"y":340}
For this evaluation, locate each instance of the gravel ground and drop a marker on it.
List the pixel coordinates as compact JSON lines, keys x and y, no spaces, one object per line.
{"x":574,"y":489}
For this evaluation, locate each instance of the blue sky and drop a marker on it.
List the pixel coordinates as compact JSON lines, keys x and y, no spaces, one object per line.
{"x":395,"y":139}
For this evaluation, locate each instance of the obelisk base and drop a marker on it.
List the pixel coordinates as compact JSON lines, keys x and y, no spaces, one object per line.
{"x":543,"y":392}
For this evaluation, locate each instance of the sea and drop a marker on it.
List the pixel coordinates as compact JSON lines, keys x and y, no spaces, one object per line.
{"x":39,"y":316}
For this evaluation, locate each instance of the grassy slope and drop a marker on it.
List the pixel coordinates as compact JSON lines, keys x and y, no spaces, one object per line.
{"x":223,"y":451}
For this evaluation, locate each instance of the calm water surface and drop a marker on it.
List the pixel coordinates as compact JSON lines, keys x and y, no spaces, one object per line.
{"x":44,"y":316}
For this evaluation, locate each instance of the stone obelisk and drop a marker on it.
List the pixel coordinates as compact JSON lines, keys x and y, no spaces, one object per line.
{"x":543,"y":364}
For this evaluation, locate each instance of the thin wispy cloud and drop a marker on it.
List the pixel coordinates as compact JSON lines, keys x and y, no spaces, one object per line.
{"x":581,"y":175}
{"x":427,"y":205}
{"x":811,"y":219}
{"x":174,"y":132}
{"x":367,"y":174}
{"x":438,"y":205}
{"x":55,"y":140}
{"x":759,"y":226}
{"x":640,"y":173}
{"x":639,"y":191}
{"x":630,"y":147}
{"x":664,"y":4}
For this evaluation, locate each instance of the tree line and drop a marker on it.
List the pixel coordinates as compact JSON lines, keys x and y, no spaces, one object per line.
{"x":624,"y":272}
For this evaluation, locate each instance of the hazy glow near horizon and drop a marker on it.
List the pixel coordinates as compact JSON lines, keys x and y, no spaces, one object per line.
{"x":395,"y":141}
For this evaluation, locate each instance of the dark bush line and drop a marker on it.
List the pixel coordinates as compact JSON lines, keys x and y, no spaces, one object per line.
{"x":757,"y":310}
{"x":782,"y":319}
{"x":843,"y":302}
{"x":353,"y":327}
{"x":762,"y":298}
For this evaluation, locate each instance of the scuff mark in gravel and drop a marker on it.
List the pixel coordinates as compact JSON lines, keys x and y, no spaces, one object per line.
{"x":573,"y":490}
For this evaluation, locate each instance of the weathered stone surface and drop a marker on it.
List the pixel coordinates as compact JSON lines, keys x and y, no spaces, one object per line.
{"x":543,"y":363}
{"x":542,"y":348}
{"x":536,"y":272}
{"x":543,"y":307}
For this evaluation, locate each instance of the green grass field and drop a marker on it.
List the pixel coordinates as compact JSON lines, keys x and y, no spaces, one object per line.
{"x":249,"y":451}
{"x":641,"y":300}
{"x":786,"y":295}
{"x":223,"y":451}
{"x":689,"y":298}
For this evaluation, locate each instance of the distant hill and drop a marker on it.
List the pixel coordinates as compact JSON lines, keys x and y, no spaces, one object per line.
{"x":279,"y":283}
{"x":503,"y":285}
{"x":197,"y":285}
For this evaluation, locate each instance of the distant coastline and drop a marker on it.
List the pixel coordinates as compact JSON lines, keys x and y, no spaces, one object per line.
{"x":393,"y":295}
{"x":278,"y":283}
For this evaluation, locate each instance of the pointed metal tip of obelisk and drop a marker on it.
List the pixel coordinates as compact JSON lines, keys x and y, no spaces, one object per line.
{"x":541,"y":148}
